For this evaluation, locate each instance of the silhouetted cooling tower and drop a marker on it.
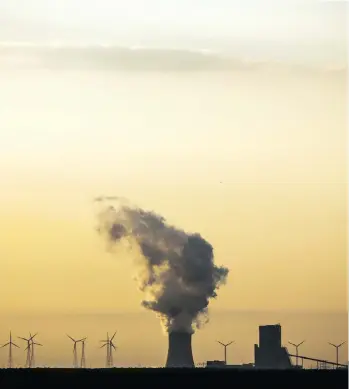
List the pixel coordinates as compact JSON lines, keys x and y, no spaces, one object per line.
{"x":179,"y":350}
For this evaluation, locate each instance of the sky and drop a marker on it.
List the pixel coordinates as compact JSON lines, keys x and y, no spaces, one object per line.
{"x":278,"y":30}
{"x":251,"y":157}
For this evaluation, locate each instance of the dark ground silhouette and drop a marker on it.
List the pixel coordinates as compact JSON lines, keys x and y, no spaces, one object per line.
{"x":165,"y":378}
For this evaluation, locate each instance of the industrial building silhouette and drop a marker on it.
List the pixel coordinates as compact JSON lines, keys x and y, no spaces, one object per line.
{"x":179,"y":350}
{"x":270,"y":354}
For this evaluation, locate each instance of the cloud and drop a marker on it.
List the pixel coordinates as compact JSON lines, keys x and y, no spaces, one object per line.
{"x":114,"y":58}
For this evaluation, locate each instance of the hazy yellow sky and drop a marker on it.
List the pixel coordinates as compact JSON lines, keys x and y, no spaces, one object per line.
{"x":275,"y":141}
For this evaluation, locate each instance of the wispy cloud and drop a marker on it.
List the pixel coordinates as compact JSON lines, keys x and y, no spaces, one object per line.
{"x":109,"y":57}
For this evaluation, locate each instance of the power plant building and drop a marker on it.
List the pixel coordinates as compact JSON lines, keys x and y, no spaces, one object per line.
{"x":270,"y":354}
{"x":179,"y":350}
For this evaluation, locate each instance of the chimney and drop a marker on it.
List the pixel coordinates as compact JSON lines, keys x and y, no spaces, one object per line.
{"x":179,"y":350}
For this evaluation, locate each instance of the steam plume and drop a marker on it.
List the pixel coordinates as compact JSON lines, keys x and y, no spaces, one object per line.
{"x":177,"y":272}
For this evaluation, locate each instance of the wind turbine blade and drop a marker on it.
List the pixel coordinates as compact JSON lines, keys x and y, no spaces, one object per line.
{"x":38,"y":344}
{"x":220,"y":342}
{"x":104,"y":345}
{"x":113,"y":336}
{"x":5,"y":345}
{"x":112,"y":344}
{"x":301,"y":343}
{"x":71,"y":338}
{"x":15,"y":345}
{"x":341,"y":344}
{"x":228,"y":344}
{"x":19,"y":337}
{"x":332,"y":344}
{"x":292,"y":344}
{"x":32,"y":336}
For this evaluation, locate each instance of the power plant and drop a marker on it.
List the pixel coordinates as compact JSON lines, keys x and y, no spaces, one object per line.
{"x":179,"y":350}
{"x":269,"y":353}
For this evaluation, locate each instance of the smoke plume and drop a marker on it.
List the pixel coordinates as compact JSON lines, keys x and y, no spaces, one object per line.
{"x":176,"y":273}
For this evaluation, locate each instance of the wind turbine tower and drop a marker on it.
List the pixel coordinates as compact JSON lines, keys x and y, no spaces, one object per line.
{"x":297,"y":346}
{"x":83,"y":358}
{"x":32,"y":355}
{"x":225,"y":345}
{"x":10,"y":344}
{"x":337,"y":346}
{"x":28,"y":349}
{"x":110,"y":345}
{"x":75,"y":355}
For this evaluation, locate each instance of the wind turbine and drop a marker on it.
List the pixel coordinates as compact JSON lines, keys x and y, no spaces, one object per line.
{"x":28,"y":349}
{"x":75,"y":356}
{"x":83,"y":359}
{"x":32,"y":357}
{"x":110,"y":345}
{"x":10,"y":344}
{"x":107,"y":343}
{"x":297,"y":345}
{"x":225,"y":345}
{"x":337,"y":346}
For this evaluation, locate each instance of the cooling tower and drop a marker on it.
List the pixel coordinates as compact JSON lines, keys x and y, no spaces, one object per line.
{"x":179,"y":350}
